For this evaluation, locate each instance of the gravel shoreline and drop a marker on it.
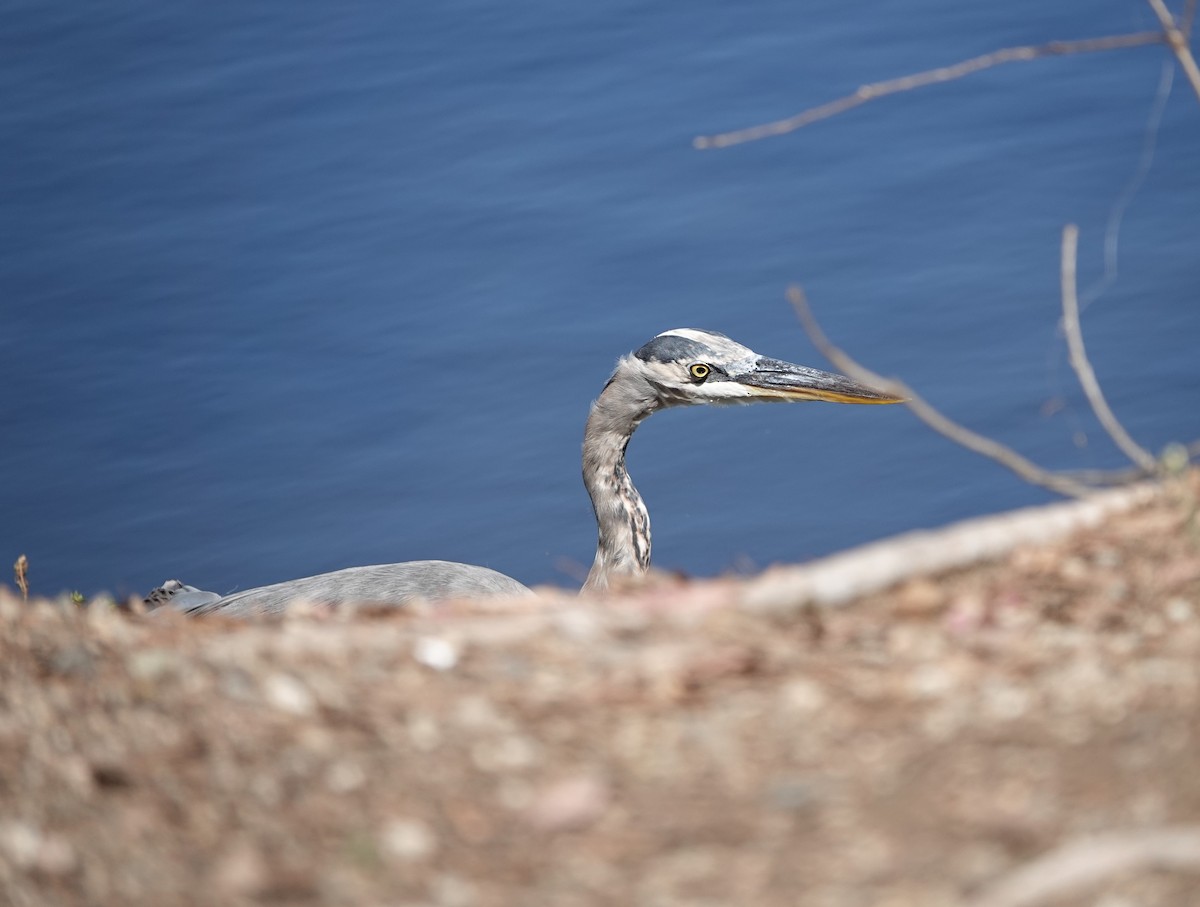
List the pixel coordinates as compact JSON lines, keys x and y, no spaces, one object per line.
{"x":918,"y":745}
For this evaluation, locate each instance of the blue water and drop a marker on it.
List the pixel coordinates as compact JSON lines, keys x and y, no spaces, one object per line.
{"x":290,"y":287}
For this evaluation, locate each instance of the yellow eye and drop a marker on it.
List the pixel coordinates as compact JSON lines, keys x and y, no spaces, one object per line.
{"x":699,"y":371}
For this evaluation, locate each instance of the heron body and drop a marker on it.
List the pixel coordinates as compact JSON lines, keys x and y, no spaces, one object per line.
{"x":680,"y":367}
{"x":382,"y":583}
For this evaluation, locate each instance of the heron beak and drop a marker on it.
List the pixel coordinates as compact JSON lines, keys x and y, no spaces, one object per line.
{"x":779,"y":380}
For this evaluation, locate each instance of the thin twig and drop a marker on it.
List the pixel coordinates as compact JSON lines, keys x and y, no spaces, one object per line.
{"x":21,"y":572}
{"x":1112,"y":230}
{"x":1188,"y":18}
{"x":1177,"y":41}
{"x":876,"y":90}
{"x":1079,"y":359}
{"x":1085,"y":862}
{"x":943,"y":425}
{"x":1106,"y":478}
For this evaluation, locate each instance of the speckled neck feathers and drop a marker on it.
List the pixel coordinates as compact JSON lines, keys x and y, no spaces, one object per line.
{"x":623,"y":546}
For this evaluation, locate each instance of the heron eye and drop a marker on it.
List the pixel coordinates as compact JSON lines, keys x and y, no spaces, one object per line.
{"x":699,"y":371}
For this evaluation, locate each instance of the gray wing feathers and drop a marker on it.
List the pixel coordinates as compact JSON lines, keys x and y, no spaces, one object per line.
{"x":179,"y":596}
{"x":390,"y":584}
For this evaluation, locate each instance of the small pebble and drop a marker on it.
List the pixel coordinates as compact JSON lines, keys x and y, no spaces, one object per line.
{"x":803,"y":695}
{"x":423,"y":732}
{"x":1005,"y":702}
{"x":931,"y":681}
{"x":506,"y":754}
{"x":795,"y":794}
{"x":345,"y":776}
{"x":572,"y":803}
{"x":966,"y":615}
{"x":241,"y":871}
{"x":453,"y":891}
{"x":153,"y":664}
{"x":56,"y":857}
{"x":435,"y":652}
{"x":1117,"y":590}
{"x":1074,"y":570}
{"x":919,"y":597}
{"x":1179,"y":610}
{"x":288,"y":694}
{"x":29,"y":848}
{"x":20,"y":842}
{"x":408,"y":840}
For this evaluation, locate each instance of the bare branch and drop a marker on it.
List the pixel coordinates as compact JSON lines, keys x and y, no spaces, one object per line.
{"x":1177,"y":41}
{"x":876,"y":90}
{"x":1084,"y":862}
{"x":1188,"y":18}
{"x":943,"y":425}
{"x":1079,"y":359}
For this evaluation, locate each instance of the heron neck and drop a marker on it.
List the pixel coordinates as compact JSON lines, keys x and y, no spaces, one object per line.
{"x":623,"y":544}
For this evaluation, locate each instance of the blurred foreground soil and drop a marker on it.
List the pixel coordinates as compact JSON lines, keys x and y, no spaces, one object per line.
{"x":911,"y":748}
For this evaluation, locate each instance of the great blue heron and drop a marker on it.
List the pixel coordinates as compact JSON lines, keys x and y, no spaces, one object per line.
{"x":679,"y":367}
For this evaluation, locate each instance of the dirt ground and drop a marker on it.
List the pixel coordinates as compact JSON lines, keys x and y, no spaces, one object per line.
{"x":913,"y":748}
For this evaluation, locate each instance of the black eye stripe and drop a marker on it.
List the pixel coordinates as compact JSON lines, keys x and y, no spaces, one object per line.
{"x":670,"y":348}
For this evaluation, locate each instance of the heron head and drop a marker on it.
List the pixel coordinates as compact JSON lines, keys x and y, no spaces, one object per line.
{"x":687,"y":366}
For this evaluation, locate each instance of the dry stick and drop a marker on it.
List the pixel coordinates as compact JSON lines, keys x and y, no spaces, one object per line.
{"x":1079,"y":359}
{"x":1085,"y":862}
{"x":1177,"y":41}
{"x":21,"y":573}
{"x":943,"y":425}
{"x":877,"y":90}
